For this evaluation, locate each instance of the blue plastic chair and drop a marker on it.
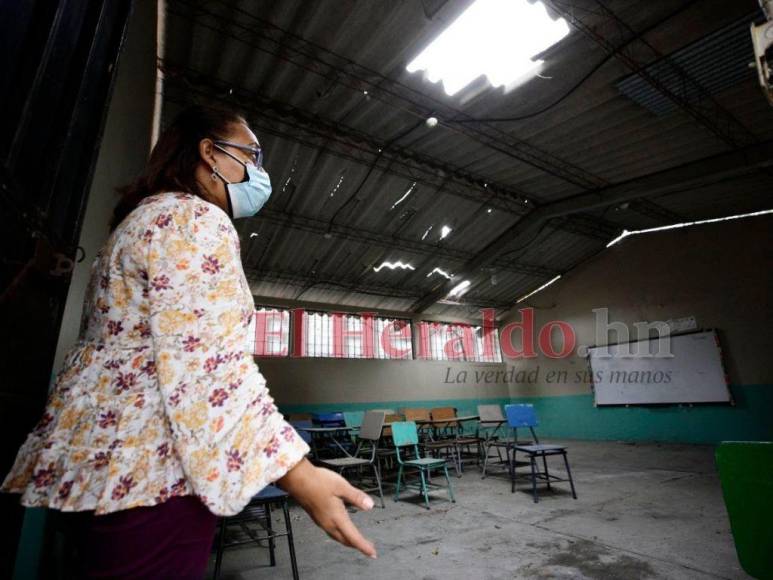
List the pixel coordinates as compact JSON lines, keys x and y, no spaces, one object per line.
{"x":258,"y":514}
{"x":405,"y":435}
{"x":334,"y":419}
{"x":305,"y":435}
{"x":523,"y":416}
{"x":324,"y":446}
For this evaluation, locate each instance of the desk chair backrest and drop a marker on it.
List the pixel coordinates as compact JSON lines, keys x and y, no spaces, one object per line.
{"x":440,"y":413}
{"x":353,"y":418}
{"x":417,"y":414}
{"x":521,"y":416}
{"x":490,"y":414}
{"x":305,"y":435}
{"x":372,"y":424}
{"x":299,"y":417}
{"x":491,"y":417}
{"x":404,"y":433}
{"x":334,"y":419}
{"x":389,"y":419}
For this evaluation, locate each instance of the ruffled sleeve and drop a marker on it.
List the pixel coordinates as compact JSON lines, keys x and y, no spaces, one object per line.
{"x":227,"y":432}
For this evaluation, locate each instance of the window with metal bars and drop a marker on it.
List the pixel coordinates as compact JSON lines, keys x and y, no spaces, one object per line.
{"x":271,"y":328}
{"x":345,"y":335}
{"x":458,"y":342}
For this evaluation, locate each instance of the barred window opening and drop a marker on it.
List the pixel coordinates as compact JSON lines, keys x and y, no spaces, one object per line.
{"x":271,"y":329}
{"x":344,"y":335}
{"x":442,"y":341}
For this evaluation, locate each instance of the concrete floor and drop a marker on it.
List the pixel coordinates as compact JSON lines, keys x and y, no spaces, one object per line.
{"x":644,"y":511}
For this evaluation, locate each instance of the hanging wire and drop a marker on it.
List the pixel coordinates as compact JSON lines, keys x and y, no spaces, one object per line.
{"x":584,"y":78}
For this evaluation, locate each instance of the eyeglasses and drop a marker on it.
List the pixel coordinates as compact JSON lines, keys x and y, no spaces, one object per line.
{"x":255,"y":153}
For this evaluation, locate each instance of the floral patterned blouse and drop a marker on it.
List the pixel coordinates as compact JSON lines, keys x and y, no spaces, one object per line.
{"x":160,"y":397}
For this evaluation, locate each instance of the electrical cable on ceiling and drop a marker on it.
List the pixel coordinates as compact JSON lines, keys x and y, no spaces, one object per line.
{"x":525,"y":245}
{"x":546,"y":108}
{"x":381,"y":152}
{"x":414,"y":104}
{"x":582,"y":80}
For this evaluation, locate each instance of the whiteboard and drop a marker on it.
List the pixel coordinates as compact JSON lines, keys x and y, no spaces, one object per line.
{"x":622,"y":375}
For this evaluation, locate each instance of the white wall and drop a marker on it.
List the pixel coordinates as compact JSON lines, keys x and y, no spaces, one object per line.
{"x":720,"y":273}
{"x":312,"y":381}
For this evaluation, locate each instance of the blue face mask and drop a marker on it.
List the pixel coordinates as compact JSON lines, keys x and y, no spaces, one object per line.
{"x":247,"y":197}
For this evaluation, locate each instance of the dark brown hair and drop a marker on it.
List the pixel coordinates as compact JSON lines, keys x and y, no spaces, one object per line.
{"x":173,"y":161}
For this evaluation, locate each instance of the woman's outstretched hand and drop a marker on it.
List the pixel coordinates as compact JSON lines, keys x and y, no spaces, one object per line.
{"x":322,"y":494}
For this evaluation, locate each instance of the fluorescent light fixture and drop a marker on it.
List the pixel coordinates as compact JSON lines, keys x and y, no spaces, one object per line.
{"x":406,"y":194}
{"x":627,"y":233}
{"x":393,"y":266}
{"x":459,"y":289}
{"x":533,"y":292}
{"x":496,"y":38}
{"x":441,"y":272}
{"x":444,"y":231}
{"x":426,"y":232}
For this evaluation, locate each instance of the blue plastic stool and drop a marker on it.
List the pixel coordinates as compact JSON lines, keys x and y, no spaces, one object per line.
{"x":259,"y":511}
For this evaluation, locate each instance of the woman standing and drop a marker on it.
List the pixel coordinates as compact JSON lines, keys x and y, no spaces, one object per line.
{"x":159,"y":420}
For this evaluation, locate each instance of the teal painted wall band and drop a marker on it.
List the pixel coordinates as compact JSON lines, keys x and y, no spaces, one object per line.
{"x":463,"y":406}
{"x":575,"y":417}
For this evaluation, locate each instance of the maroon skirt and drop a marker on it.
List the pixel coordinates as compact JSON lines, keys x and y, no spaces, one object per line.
{"x":169,"y":540}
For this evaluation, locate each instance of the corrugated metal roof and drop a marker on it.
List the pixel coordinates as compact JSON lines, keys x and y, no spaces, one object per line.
{"x":340,"y":159}
{"x":716,"y":62}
